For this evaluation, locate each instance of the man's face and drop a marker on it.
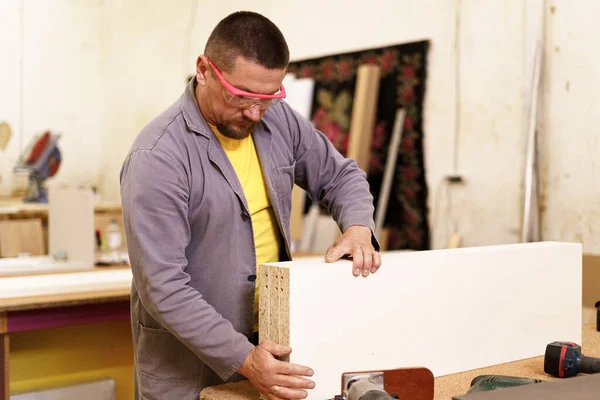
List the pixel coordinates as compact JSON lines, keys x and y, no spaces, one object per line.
{"x":237,"y":116}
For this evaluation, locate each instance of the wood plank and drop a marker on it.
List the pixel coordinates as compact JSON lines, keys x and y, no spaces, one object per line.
{"x":60,"y":269}
{"x":19,"y":293}
{"x":500,"y":300}
{"x":21,"y":236}
{"x":60,"y":284}
{"x":63,"y":300}
{"x":4,"y":359}
{"x":364,"y":109}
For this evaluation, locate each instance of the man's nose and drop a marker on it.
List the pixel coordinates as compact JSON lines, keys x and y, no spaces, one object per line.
{"x":253,"y":112}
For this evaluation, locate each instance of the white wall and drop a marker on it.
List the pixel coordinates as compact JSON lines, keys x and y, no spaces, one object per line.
{"x":571,"y":151}
{"x":63,"y":87}
{"x":100,"y":70}
{"x":10,"y":75}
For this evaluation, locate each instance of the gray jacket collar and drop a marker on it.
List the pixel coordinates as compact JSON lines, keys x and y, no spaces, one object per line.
{"x":191,"y":111}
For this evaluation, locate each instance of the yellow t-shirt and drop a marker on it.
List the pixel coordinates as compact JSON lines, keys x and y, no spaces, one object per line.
{"x":244,"y":159}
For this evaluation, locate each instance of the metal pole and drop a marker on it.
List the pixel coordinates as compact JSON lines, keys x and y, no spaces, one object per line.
{"x":390,"y":167}
{"x":530,"y":163}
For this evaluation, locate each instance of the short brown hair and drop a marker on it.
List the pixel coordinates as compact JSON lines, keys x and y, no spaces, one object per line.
{"x":249,"y":35}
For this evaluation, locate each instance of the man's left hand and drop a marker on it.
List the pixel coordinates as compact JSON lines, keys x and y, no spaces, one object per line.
{"x":356,"y":241}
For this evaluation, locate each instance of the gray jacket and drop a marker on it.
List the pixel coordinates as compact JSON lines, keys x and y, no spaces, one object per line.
{"x":190,"y":241}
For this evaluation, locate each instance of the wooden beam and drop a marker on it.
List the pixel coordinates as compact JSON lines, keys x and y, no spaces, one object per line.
{"x":591,"y":286}
{"x":364,"y":110}
{"x":447,"y":310}
{"x":95,"y":280}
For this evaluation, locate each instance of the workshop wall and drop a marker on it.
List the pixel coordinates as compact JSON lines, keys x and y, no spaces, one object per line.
{"x":571,"y":145}
{"x":52,"y":78}
{"x":98,"y":71}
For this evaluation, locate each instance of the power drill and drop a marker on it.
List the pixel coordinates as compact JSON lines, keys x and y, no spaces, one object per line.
{"x":564,"y":360}
{"x":484,"y":383}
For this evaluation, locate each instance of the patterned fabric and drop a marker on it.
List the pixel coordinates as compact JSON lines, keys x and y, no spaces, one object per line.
{"x":403,"y":77}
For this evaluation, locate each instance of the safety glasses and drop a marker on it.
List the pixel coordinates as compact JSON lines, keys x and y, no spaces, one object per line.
{"x":242,"y":99}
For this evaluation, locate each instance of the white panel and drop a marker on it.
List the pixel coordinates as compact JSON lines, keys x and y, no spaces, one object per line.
{"x":299,"y":93}
{"x":71,"y":223}
{"x":447,"y":310}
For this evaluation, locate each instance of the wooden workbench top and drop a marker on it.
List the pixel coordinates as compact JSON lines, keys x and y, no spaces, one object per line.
{"x":16,"y":207}
{"x":445,"y":386}
{"x":85,"y":296}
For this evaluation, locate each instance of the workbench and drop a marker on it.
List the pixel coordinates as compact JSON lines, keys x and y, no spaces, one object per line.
{"x":32,"y":313}
{"x":68,"y":309}
{"x":458,"y":384}
{"x":445,"y":386}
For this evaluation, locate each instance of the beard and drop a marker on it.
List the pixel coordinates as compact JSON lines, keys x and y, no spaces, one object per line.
{"x":237,"y":129}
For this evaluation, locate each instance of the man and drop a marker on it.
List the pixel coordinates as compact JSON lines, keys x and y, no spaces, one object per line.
{"x":206,"y":195}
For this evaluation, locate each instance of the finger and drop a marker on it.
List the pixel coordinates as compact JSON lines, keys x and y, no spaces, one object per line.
{"x":376,"y":262}
{"x":288,"y":368}
{"x":328,"y":257}
{"x":294,"y":382}
{"x":287,"y":393}
{"x":275,"y":349}
{"x":367,"y":261}
{"x":357,"y":261}
{"x":337,"y":251}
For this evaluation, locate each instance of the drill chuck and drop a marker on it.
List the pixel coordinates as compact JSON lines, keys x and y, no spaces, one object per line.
{"x":363,"y":389}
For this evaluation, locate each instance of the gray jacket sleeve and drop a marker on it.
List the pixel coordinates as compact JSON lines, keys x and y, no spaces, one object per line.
{"x":328,"y":177}
{"x":154,"y":191}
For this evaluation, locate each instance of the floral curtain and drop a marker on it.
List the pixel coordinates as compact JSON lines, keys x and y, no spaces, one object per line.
{"x":403,"y":78}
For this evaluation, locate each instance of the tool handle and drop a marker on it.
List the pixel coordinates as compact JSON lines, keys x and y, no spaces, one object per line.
{"x":589,"y":365}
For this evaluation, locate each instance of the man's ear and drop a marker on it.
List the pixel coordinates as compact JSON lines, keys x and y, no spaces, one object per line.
{"x":201,"y":70}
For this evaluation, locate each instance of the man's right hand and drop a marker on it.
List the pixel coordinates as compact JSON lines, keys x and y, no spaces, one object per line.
{"x":273,"y":378}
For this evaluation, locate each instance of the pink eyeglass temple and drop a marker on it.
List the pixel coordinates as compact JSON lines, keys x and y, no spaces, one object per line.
{"x":242,"y":93}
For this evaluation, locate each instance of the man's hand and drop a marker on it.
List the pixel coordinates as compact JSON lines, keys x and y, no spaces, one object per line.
{"x":356,"y":241}
{"x":273,"y":378}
